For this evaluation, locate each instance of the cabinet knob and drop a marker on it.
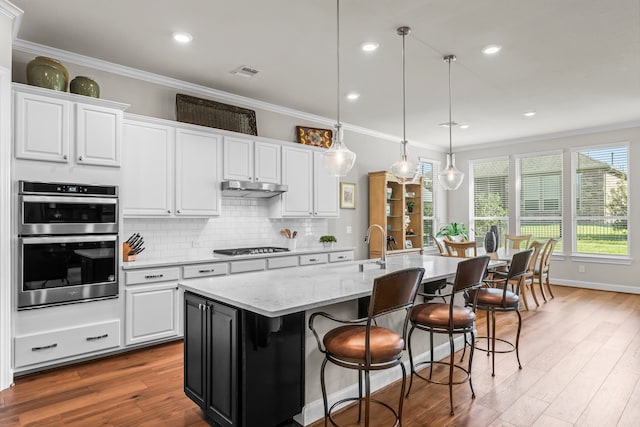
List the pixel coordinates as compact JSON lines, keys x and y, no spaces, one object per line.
{"x":168,"y":210}
{"x":80,"y":158}
{"x":257,"y":179}
{"x":178,"y":211}
{"x":64,"y":157}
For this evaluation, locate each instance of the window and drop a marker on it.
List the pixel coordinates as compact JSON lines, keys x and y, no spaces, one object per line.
{"x":490,"y":196}
{"x":540,"y":211}
{"x":428,"y":212}
{"x":601,"y":200}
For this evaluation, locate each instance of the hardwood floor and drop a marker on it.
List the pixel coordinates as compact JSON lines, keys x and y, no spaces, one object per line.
{"x":581,"y":366}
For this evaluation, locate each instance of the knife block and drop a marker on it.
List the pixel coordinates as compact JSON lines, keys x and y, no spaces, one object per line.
{"x":127,"y":256}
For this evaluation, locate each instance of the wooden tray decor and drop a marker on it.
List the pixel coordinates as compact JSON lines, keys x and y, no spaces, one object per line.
{"x":316,"y":137}
{"x":205,"y":112}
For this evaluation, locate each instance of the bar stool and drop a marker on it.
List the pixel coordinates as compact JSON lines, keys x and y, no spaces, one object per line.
{"x":448,"y":318}
{"x":497,"y":298}
{"x":361,"y":344}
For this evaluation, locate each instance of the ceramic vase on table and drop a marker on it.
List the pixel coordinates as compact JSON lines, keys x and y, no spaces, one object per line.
{"x":490,"y":243}
{"x":48,"y":73}
{"x":82,"y":85}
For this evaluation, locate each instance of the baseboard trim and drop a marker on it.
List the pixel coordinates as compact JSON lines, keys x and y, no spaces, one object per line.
{"x":314,"y":411}
{"x":598,"y":286}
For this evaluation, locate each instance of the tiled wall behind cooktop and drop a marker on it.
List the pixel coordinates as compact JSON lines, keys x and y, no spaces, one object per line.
{"x":244,"y":222}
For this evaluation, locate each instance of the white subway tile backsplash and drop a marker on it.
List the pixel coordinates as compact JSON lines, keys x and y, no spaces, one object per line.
{"x":244,"y":222}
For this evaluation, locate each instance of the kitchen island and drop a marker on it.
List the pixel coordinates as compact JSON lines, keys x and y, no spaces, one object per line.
{"x":246,"y":345}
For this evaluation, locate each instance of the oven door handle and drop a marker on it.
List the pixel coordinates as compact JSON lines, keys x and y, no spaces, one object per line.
{"x":69,"y":239}
{"x":68,"y":199}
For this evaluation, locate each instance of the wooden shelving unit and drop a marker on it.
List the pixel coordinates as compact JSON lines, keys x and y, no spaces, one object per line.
{"x":388,"y":208}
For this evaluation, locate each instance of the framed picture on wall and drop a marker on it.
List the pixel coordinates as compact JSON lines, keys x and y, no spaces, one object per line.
{"x":408,"y":244}
{"x":347,"y":195}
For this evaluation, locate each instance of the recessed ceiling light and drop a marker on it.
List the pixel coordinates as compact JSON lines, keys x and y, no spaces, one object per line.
{"x":446,"y":124}
{"x":370,"y":46}
{"x":465,"y":126}
{"x":492,"y":49}
{"x":529,"y":114}
{"x":182,"y":37}
{"x":352,"y":96}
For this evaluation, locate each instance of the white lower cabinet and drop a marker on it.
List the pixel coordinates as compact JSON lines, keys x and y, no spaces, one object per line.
{"x":152,"y":312}
{"x":58,"y":344}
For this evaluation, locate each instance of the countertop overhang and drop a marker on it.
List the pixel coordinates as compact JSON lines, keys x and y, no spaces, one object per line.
{"x":280,"y":292}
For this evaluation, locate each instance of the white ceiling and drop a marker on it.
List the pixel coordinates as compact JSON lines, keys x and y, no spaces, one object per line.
{"x":575,"y":62}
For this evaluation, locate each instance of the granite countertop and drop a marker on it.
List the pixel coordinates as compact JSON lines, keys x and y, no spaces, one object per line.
{"x":174,"y":261}
{"x":276,"y":293}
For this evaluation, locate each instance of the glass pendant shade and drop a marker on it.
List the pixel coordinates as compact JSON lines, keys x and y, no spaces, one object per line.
{"x":450,"y":178}
{"x":338,"y":158}
{"x":404,"y":170}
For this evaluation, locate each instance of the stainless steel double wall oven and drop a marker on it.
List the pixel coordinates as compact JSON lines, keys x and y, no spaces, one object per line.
{"x":67,"y":243}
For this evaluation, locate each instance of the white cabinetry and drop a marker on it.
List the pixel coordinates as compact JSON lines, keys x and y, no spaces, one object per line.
{"x":312,"y":191}
{"x":147,"y":172}
{"x":198,"y":173}
{"x":247,"y":160}
{"x":169,"y":171}
{"x":50,"y":124}
{"x":152,"y":310}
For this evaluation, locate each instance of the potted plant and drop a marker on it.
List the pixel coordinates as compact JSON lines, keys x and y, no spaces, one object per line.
{"x":410,"y":205}
{"x":328,"y":241}
{"x":454,"y":231}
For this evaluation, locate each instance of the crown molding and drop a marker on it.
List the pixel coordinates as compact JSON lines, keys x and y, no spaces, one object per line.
{"x":553,"y":135}
{"x":86,"y":61}
{"x":14,"y":13}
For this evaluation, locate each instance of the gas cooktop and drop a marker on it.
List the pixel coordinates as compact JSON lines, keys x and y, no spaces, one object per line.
{"x":250,"y":251}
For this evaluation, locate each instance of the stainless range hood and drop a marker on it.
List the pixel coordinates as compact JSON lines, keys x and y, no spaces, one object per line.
{"x":254,"y":190}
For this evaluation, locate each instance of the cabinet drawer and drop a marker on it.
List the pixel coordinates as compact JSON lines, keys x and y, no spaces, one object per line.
{"x":152,"y":275}
{"x":205,"y":270}
{"x":52,"y":345}
{"x":341,"y":256}
{"x":281,"y":262}
{"x":313,"y":259}
{"x":249,"y":265}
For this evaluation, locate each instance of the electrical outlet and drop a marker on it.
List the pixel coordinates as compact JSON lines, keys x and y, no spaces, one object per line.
{"x":196,"y":244}
{"x":349,"y":229}
{"x":581,"y":268}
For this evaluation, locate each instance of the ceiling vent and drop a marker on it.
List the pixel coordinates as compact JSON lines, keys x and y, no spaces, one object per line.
{"x":245,"y":71}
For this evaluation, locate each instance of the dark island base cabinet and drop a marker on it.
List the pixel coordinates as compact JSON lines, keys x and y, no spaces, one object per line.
{"x":241,"y":368}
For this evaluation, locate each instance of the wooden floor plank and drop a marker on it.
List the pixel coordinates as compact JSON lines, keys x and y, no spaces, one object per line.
{"x":581,"y":366}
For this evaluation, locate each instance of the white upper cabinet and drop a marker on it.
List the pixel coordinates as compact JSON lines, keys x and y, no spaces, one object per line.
{"x":247,"y":160}
{"x":198,"y":173}
{"x":170,"y":171}
{"x":42,"y":126}
{"x":312,"y":191}
{"x":326,"y":189}
{"x":98,"y":135}
{"x":147,"y":172}
{"x":66,"y":128}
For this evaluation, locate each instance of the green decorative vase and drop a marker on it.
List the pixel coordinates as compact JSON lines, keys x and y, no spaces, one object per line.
{"x":48,"y":73}
{"x":82,"y":85}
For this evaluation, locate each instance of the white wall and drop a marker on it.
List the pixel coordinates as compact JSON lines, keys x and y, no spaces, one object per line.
{"x":565,"y":269}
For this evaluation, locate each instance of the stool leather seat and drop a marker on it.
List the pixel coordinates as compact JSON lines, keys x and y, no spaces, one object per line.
{"x":494,"y":296}
{"x":438,"y":315}
{"x":348,"y":343}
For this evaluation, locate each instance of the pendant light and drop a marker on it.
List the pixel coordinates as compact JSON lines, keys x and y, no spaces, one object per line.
{"x":404,"y":170}
{"x":451,"y":177}
{"x":338,"y":158}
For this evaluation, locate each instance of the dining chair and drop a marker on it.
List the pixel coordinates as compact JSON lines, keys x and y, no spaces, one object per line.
{"x":496,"y":297}
{"x":527,"y":279}
{"x":363,"y":345}
{"x":449,"y":318}
{"x":541,"y":273}
{"x":439,"y":242}
{"x":514,"y":241}
{"x":461,"y":249}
